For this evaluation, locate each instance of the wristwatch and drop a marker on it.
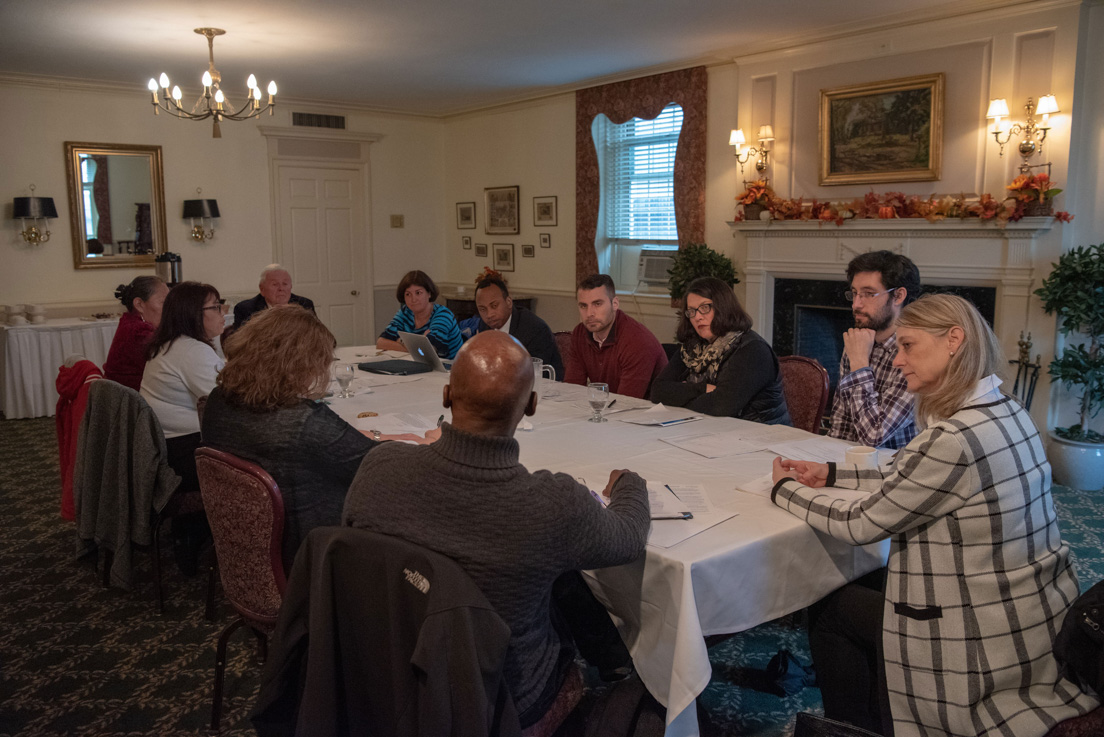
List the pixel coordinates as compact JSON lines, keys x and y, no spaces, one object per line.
{"x":377,"y":435}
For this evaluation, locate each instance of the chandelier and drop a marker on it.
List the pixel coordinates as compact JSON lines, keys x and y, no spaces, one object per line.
{"x":213,"y":103}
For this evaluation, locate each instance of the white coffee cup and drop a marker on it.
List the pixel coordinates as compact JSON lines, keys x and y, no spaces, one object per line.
{"x":17,"y":320}
{"x":38,"y":319}
{"x":862,"y":456}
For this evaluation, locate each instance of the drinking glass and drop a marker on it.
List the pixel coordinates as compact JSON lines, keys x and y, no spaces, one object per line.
{"x":598,"y":396}
{"x":344,"y":373}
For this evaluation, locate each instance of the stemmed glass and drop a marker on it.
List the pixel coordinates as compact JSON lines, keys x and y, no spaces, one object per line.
{"x":598,"y":396}
{"x":344,"y":373}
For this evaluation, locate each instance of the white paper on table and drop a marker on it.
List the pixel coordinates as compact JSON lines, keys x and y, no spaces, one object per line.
{"x":692,"y":497}
{"x":397,"y":423}
{"x":661,"y":416}
{"x":760,"y":486}
{"x":715,"y":445}
{"x":822,"y":450}
{"x":663,"y":501}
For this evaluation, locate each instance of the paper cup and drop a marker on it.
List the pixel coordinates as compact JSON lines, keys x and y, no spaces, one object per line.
{"x":862,"y":456}
{"x":17,"y":320}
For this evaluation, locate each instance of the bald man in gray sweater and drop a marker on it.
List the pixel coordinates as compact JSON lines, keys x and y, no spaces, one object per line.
{"x":514,"y":532}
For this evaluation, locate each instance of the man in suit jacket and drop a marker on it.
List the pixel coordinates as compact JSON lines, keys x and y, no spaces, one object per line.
{"x":497,"y":312}
{"x":275,"y":289}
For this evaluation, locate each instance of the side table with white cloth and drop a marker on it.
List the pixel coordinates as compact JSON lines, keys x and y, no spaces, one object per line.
{"x":744,"y":563}
{"x":30,"y":356}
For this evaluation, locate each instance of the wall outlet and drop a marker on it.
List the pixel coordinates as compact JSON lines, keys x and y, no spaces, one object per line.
{"x":397,"y":221}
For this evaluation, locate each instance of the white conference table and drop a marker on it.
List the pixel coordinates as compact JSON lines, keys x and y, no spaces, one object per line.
{"x":752,"y":568}
{"x":30,"y":356}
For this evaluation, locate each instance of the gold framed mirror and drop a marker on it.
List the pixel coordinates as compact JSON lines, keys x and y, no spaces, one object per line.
{"x":116,"y":204}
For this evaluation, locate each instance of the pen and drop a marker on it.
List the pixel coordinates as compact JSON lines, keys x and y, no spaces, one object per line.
{"x":611,"y":404}
{"x":668,"y":486}
{"x":677,"y":515}
{"x":440,"y":420}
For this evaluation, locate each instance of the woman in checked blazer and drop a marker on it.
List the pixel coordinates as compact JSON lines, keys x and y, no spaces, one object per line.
{"x":978,"y":579}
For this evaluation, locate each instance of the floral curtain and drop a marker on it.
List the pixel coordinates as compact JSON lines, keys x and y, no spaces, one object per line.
{"x":642,"y":98}
{"x":103,"y":201}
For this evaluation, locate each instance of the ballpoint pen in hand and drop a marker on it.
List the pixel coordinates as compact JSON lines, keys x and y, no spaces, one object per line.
{"x":440,"y":420}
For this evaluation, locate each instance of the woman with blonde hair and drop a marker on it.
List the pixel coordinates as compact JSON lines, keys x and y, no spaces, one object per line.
{"x":979,"y":579}
{"x":266,"y":409}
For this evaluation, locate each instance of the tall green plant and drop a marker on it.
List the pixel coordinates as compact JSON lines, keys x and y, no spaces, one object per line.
{"x":1074,"y":290}
{"x":698,"y":259}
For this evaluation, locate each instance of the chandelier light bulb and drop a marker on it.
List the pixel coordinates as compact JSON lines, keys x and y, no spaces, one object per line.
{"x":219,"y":97}
{"x":256,"y":92}
{"x":177,"y":94}
{"x":164,"y":81}
{"x":206,"y":79}
{"x":152,"y":86}
{"x":272,"y":88}
{"x":252,"y":81}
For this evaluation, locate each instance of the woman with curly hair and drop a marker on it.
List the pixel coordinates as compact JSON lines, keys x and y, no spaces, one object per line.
{"x":266,"y":409}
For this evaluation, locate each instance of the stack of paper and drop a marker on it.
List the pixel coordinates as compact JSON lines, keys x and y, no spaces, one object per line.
{"x":660,"y":416}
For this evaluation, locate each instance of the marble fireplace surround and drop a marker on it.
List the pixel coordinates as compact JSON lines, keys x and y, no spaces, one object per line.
{"x":949,"y":252}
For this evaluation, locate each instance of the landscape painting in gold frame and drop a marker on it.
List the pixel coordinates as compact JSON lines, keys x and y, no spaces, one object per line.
{"x":889,"y":131}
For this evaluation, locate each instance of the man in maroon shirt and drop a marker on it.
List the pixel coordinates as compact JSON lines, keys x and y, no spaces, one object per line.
{"x":609,"y":346}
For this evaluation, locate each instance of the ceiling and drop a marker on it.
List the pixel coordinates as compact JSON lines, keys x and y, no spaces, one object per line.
{"x":428,"y":57}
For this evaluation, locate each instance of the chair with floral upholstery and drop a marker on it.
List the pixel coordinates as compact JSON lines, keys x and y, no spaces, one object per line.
{"x":563,"y":344}
{"x":805,"y":384}
{"x":246,"y":514}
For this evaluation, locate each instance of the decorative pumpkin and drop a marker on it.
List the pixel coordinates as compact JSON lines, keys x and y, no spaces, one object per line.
{"x":886,"y":212}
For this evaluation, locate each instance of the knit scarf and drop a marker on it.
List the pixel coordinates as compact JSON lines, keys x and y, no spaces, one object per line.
{"x":705,"y":359}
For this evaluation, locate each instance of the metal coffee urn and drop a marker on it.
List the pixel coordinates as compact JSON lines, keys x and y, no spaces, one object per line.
{"x":168,"y":268}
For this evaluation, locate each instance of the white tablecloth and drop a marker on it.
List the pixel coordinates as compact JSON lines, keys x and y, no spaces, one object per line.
{"x":30,"y":356}
{"x":757,"y":566}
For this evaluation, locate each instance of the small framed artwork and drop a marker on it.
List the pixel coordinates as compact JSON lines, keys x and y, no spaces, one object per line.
{"x":466,"y":242}
{"x":504,"y":256}
{"x":528,"y":251}
{"x":465,"y":215}
{"x":481,"y":250}
{"x":502,"y":211}
{"x":546,"y":240}
{"x":889,"y":131}
{"x":544,"y":211}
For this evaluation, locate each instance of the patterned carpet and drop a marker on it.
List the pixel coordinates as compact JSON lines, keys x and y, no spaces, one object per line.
{"x":76,"y":659}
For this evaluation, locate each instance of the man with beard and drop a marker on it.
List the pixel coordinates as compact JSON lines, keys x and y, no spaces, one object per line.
{"x":872,"y":405}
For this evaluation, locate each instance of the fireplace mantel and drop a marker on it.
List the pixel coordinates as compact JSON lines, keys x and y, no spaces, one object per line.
{"x":967,"y":252}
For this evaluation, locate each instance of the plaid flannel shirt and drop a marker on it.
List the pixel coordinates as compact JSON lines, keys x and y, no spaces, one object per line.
{"x":873,"y":405}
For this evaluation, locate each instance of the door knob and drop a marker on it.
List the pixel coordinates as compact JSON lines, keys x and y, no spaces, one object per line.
{"x":355,"y":293}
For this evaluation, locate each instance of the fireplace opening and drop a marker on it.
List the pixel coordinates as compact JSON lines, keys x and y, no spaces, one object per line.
{"x":811,"y":315}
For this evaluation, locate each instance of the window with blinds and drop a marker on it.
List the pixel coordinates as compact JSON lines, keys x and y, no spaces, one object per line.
{"x":638,"y":179}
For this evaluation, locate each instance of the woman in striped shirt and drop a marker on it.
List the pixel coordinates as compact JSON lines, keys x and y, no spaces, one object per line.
{"x":419,"y":314}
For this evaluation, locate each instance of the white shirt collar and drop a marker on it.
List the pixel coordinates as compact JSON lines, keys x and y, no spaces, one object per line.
{"x":985,"y":387}
{"x":506,"y":325}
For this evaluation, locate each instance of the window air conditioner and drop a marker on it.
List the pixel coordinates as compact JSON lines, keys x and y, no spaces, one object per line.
{"x":653,"y":268}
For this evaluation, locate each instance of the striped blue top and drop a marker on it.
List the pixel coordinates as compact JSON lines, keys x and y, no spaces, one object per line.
{"x":441,"y":329}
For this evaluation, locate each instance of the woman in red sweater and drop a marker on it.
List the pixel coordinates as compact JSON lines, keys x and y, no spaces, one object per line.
{"x":126,"y":360}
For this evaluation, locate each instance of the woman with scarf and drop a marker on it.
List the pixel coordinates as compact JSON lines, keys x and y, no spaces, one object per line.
{"x":724,"y":368}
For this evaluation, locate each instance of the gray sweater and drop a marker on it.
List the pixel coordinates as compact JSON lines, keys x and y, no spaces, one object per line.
{"x":514,"y":532}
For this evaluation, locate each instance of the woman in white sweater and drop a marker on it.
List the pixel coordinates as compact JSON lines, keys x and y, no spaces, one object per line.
{"x":979,"y":579}
{"x":182,"y":367}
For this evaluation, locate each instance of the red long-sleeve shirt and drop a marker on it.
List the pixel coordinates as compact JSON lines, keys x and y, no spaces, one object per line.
{"x":628,"y":360}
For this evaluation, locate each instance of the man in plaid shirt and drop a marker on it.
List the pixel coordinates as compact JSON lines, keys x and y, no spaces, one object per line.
{"x":872,"y":405}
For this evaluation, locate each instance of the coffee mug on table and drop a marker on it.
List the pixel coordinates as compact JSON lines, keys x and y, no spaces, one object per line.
{"x":862,"y":456}
{"x":541,"y":371}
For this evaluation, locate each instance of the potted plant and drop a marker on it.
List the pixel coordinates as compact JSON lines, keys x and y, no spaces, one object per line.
{"x":1033,"y":194}
{"x":694,"y":260}
{"x":756,"y":199}
{"x":1074,"y":291}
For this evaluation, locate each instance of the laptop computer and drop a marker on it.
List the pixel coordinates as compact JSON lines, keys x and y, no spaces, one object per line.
{"x":420,"y":349}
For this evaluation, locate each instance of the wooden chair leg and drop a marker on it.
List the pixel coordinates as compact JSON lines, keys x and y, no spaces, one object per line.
{"x":155,"y":554}
{"x":220,"y":673}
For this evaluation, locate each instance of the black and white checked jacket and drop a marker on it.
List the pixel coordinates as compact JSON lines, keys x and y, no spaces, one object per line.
{"x":979,"y":578}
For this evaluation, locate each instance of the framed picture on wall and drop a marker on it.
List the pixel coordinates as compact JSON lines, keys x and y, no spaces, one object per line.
{"x":481,"y":250}
{"x":465,"y":215}
{"x":502,"y":210}
{"x":888,"y":131}
{"x":465,"y":241}
{"x":546,"y":240}
{"x":528,"y":251}
{"x":503,"y":257}
{"x":544,"y":211}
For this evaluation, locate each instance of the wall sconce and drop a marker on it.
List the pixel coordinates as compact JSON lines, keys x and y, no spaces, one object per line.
{"x":1034,"y":132}
{"x":204,"y":210}
{"x":766,"y":135}
{"x":34,"y":209}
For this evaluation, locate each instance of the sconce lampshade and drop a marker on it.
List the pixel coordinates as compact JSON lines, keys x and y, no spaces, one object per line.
{"x":736,"y":138}
{"x":201,"y":209}
{"x":766,"y":133}
{"x":33,"y":207}
{"x":1047,"y":105}
{"x":998,"y":108}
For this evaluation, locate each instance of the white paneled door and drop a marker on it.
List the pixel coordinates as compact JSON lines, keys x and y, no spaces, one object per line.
{"x":322,"y":221}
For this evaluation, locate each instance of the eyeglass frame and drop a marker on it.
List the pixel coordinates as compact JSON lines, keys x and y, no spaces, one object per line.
{"x":850,"y":294}
{"x":221,"y":306}
{"x":703,"y":309}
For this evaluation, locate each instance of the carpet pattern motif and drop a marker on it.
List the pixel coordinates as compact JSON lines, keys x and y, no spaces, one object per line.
{"x":77,"y":659}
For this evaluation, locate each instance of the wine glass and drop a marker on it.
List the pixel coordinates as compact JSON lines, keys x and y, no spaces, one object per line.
{"x":344,"y":373}
{"x":598,"y":396}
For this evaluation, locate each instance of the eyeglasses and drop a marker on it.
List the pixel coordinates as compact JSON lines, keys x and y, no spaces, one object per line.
{"x":866,"y":295}
{"x":221,"y":306}
{"x":703,"y":309}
